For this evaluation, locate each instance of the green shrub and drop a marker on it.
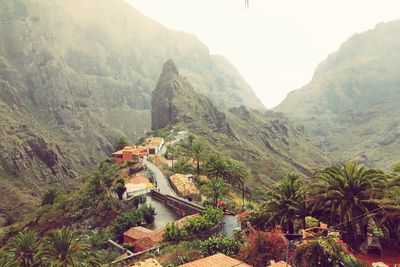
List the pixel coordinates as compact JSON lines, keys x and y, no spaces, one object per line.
{"x":173,"y":233}
{"x":221,"y":244}
{"x":311,"y":222}
{"x":49,"y":197}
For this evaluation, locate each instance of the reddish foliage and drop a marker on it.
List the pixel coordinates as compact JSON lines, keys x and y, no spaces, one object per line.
{"x":261,"y":247}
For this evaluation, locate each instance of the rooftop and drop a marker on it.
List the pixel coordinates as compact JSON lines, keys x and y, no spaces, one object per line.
{"x":147,"y":263}
{"x":216,"y":260}
{"x":184,"y":185}
{"x":138,"y":232}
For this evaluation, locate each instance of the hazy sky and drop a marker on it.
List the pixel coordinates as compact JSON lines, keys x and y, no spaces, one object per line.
{"x":276,"y":45}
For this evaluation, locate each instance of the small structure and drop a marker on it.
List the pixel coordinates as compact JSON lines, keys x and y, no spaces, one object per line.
{"x":147,"y":263}
{"x":136,"y":233}
{"x":136,"y":190}
{"x":216,"y":260}
{"x":129,"y":153}
{"x":154,"y":145}
{"x":140,"y":179}
{"x":184,"y":187}
{"x":278,"y":264}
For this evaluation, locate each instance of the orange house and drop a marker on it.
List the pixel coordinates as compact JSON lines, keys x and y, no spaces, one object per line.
{"x":128,"y":153}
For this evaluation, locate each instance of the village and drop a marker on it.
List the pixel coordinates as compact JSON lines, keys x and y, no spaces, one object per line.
{"x":150,"y":176}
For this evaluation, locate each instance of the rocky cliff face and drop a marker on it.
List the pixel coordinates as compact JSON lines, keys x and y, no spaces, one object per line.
{"x":352,"y":102}
{"x":270,"y":144}
{"x":74,"y":74}
{"x":174,"y":95}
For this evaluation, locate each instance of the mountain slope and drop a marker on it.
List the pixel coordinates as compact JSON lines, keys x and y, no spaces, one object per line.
{"x":268,"y":143}
{"x":75,"y":74}
{"x":352,"y":102}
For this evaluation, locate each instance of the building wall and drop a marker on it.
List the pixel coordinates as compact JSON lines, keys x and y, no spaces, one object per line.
{"x":129,"y":240}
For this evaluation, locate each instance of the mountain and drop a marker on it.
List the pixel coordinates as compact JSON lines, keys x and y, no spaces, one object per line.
{"x":268,"y":143}
{"x":74,"y":75}
{"x":352,"y":102}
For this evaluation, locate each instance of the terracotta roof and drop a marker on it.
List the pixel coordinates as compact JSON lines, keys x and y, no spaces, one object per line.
{"x":147,"y":263}
{"x":139,"y":179}
{"x":279,"y":264}
{"x":184,"y":185}
{"x":138,"y":232}
{"x":216,"y":260}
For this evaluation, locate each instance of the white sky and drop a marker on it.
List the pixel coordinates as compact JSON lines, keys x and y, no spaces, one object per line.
{"x":276,"y":45}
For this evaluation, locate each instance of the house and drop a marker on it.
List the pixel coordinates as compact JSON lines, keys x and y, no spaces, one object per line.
{"x":147,"y":263}
{"x":136,"y":233}
{"x":216,"y":260}
{"x":154,"y":145}
{"x":129,"y":153}
{"x":144,"y":238}
{"x":278,"y":264}
{"x":184,"y":187}
{"x":140,"y":179}
{"x":136,"y":190}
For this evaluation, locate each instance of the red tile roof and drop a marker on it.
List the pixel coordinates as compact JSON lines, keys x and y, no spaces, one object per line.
{"x":138,"y":232}
{"x":216,"y":260}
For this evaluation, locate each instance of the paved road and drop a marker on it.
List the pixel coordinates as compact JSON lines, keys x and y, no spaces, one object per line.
{"x":162,"y":181}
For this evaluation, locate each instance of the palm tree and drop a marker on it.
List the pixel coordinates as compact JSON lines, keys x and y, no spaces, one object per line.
{"x":22,"y":250}
{"x":346,"y":191}
{"x":237,"y":175}
{"x":198,"y":153}
{"x":217,"y":167}
{"x":64,"y":247}
{"x":286,"y":202}
{"x":181,"y":166}
{"x":216,"y":189}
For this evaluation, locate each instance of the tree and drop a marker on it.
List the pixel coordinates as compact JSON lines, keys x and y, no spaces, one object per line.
{"x":125,"y":221}
{"x":120,"y":188}
{"x":216,"y":189}
{"x":22,"y":250}
{"x":120,"y":142}
{"x":49,"y":197}
{"x":198,"y":153}
{"x":286,"y":202}
{"x":324,"y":252}
{"x":346,"y":191}
{"x":217,"y":167}
{"x":64,"y":247}
{"x":148,"y":213}
{"x":237,"y":173}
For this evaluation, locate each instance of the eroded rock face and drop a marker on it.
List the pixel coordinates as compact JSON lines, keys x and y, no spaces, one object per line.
{"x":174,"y":100}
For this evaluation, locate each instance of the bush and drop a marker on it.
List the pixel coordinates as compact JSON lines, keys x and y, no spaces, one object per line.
{"x":323,"y":252}
{"x":125,"y":221}
{"x":202,"y":180}
{"x":173,"y":233}
{"x":311,"y":222}
{"x":49,"y":197}
{"x":148,"y":213}
{"x":261,"y":247}
{"x":205,"y":222}
{"x":221,"y":244}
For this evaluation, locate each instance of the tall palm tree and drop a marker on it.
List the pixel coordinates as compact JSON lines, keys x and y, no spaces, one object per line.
{"x":217,"y":189}
{"x":198,"y":153}
{"x":22,"y":250}
{"x":64,"y":248}
{"x":346,"y":191}
{"x":286,"y":201}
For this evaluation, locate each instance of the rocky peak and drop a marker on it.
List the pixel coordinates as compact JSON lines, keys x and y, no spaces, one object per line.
{"x":175,"y":101}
